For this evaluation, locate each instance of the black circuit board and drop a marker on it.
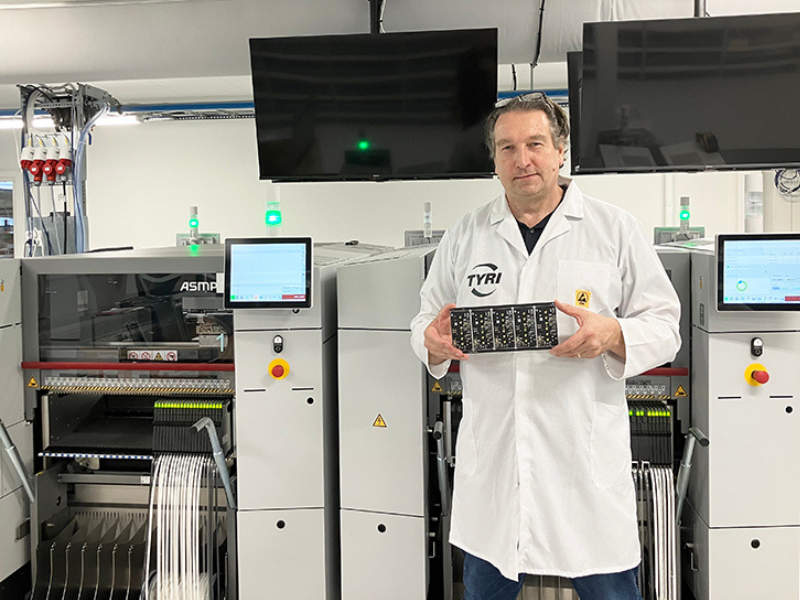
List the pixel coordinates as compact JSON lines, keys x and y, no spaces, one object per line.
{"x":504,"y":328}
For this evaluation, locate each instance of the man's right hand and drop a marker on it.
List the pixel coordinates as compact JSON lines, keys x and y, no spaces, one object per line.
{"x":439,"y":339}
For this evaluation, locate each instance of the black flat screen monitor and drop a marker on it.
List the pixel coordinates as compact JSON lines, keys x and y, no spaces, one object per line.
{"x":758,"y":271}
{"x":268,"y":272}
{"x":374,"y":106}
{"x":714,"y":93}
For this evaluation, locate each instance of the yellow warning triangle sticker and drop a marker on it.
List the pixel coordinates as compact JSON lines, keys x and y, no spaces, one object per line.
{"x":681,"y":393}
{"x":158,"y":356}
{"x":379,"y":422}
{"x":32,"y":383}
{"x":436,"y":387}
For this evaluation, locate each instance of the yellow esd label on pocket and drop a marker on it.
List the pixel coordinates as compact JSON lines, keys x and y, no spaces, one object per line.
{"x":582,"y":298}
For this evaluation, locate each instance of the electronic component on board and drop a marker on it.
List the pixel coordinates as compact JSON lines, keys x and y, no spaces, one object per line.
{"x":504,"y":328}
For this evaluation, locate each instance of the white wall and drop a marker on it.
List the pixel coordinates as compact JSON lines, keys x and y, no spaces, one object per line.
{"x":143,"y":178}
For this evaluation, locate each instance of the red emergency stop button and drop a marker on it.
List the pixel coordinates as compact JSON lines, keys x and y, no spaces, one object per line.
{"x":278,"y":368}
{"x":756,"y":374}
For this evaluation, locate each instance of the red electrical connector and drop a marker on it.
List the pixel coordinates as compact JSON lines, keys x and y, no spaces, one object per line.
{"x":49,"y":167}
{"x":26,"y":158}
{"x":64,"y":164}
{"x":37,"y":164}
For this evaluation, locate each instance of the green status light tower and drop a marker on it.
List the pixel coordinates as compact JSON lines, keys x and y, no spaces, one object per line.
{"x":273,"y":217}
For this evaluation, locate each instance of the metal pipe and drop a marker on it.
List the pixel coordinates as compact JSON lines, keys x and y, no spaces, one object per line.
{"x":694,"y":435}
{"x":441,"y":467}
{"x":219,"y":457}
{"x":16,"y":461}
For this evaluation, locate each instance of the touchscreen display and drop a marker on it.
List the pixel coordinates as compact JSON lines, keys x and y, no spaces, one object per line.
{"x":759,"y":272}
{"x":268,"y":273}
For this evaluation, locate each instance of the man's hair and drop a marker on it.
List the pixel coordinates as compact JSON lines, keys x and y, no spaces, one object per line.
{"x":559,"y":123}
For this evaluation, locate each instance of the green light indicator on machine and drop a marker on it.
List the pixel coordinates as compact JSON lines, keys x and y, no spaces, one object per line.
{"x":684,"y":215}
{"x":363,"y":144}
{"x":194,"y":223}
{"x":273,"y":218}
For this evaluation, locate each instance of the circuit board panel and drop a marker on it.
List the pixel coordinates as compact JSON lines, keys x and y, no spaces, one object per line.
{"x":504,"y":328}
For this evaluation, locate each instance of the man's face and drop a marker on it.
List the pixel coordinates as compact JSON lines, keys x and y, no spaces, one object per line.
{"x":526,"y":160}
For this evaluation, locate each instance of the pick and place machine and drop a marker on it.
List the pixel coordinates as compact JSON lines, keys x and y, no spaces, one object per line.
{"x":129,"y":391}
{"x":123,"y":354}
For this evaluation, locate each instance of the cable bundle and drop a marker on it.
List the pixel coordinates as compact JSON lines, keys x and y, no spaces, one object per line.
{"x":174,"y":548}
{"x":658,"y":575}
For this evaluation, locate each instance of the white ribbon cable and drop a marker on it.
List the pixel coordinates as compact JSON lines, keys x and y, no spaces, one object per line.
{"x":673,"y":534}
{"x":656,"y":533}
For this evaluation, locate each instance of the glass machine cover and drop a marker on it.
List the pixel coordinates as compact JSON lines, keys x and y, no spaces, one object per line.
{"x":119,"y":317}
{"x":374,"y":106}
{"x":689,"y":94}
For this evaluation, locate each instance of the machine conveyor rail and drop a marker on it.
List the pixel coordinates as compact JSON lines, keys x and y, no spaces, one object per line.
{"x":139,"y":386}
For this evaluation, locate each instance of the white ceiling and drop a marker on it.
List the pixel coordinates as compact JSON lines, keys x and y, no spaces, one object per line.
{"x":154,"y":51}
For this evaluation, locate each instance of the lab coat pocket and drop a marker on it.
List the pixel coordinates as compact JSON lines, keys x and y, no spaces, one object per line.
{"x":611,"y":453}
{"x":585,"y":284}
{"x":466,"y":456}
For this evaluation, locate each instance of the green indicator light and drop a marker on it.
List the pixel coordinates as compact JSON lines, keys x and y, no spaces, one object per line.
{"x":194,"y":223}
{"x":273,"y":218}
{"x":684,"y":215}
{"x":363,"y":144}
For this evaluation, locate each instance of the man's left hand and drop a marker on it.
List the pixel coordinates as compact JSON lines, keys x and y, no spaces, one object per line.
{"x":596,"y":334}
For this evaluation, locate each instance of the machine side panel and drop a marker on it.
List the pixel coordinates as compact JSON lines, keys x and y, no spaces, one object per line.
{"x":10,"y":294}
{"x":754,"y":430}
{"x":676,"y":263}
{"x":282,"y":555}
{"x":14,"y":511}
{"x":754,"y":563}
{"x":382,"y":293}
{"x":699,"y":477}
{"x":12,"y":399}
{"x":383,"y":556}
{"x":279,"y":422}
{"x":382,"y":423}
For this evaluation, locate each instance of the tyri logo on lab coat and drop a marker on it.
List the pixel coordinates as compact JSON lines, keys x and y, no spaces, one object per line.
{"x":484,"y":279}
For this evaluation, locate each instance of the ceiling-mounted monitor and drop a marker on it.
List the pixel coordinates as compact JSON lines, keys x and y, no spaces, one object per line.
{"x":758,"y":271}
{"x":374,"y":106}
{"x":273,"y":272}
{"x":700,"y":94}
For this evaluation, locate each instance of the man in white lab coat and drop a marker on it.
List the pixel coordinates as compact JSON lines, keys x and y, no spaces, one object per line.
{"x":543,"y":464}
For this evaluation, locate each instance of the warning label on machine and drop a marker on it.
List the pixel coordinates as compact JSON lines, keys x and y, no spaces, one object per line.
{"x":379,"y":422}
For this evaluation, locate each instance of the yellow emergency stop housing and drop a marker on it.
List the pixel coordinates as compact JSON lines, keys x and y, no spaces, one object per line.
{"x":748,"y":373}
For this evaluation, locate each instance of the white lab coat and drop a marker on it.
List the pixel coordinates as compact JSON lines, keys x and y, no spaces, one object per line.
{"x":543,"y":463}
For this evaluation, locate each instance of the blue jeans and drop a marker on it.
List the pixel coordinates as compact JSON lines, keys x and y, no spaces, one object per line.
{"x":484,"y":582}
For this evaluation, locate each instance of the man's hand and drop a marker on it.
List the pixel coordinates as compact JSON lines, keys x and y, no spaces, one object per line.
{"x":439,"y":339}
{"x":596,"y":334}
